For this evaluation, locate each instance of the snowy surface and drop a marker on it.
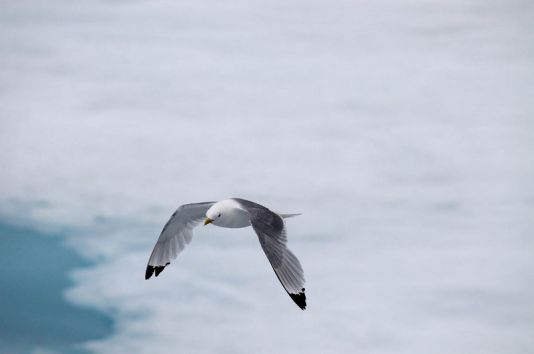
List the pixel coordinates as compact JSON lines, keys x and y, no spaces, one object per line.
{"x":403,"y":130}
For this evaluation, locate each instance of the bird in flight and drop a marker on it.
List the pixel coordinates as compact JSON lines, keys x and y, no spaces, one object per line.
{"x":232,"y":213}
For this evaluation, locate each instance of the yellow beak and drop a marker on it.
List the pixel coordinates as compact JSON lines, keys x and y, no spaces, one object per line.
{"x":207,"y":221}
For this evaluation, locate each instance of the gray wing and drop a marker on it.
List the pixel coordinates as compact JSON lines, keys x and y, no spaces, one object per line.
{"x":271,"y":232}
{"x":176,"y":233}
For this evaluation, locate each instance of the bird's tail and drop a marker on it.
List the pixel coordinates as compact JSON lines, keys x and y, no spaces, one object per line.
{"x":285,"y":216}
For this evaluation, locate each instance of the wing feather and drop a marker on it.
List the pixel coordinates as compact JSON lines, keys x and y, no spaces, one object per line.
{"x":176,"y":234}
{"x":271,"y":232}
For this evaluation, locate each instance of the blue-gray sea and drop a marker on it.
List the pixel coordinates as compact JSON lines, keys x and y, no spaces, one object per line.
{"x":403,"y":132}
{"x":33,"y":276}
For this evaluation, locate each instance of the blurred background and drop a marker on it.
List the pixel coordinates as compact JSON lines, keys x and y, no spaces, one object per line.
{"x":403,"y":131}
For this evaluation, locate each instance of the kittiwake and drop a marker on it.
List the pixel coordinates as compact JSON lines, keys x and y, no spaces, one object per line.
{"x":232,"y":213}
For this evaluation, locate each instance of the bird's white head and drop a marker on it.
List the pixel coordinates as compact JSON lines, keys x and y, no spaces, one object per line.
{"x":214,"y":213}
{"x":218,"y":213}
{"x":226,"y":213}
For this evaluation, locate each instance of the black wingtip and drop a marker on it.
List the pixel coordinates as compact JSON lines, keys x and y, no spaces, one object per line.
{"x":151,"y":270}
{"x":299,"y":299}
{"x":159,"y":269}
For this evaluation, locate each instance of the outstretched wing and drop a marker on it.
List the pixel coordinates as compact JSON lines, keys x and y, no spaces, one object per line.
{"x":176,"y":233}
{"x":271,"y":232}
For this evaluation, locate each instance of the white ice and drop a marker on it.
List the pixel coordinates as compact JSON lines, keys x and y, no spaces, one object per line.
{"x":402,"y":130}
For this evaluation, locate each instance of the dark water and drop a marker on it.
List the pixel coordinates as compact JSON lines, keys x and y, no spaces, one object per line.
{"x":34,"y":313}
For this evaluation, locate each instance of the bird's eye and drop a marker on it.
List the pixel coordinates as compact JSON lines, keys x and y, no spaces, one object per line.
{"x":219,"y":215}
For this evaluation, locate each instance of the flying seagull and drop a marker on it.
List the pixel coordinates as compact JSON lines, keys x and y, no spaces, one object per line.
{"x":232,"y":213}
